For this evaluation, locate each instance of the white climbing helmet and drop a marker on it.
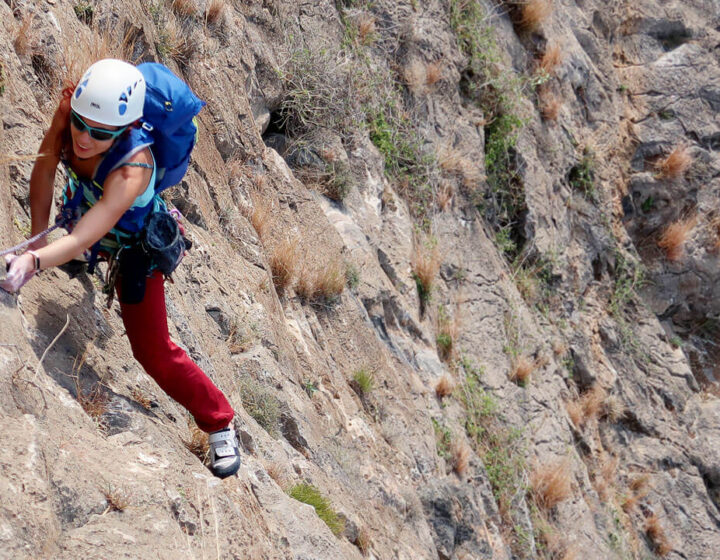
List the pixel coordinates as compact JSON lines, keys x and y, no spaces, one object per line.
{"x":111,"y":92}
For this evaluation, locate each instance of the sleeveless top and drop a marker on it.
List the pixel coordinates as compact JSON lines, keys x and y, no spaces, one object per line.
{"x":80,"y":194}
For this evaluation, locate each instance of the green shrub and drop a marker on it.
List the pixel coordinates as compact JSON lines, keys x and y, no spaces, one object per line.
{"x":365,"y":381}
{"x":308,"y":494}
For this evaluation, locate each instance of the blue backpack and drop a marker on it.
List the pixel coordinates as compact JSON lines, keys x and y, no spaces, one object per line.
{"x":168,"y":124}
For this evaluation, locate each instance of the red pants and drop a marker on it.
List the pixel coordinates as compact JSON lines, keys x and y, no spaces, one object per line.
{"x":168,"y":364}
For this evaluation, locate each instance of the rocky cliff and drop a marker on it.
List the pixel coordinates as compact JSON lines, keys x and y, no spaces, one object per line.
{"x":454,"y":265}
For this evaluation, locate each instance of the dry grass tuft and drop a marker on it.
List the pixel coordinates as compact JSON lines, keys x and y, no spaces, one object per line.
{"x":656,"y":533}
{"x":94,"y":403}
{"x":522,"y":368}
{"x":460,"y":458}
{"x":259,"y":216}
{"x":638,"y":489}
{"x":614,"y":408}
{"x":532,"y":13}
{"x":184,"y":8}
{"x":672,"y":241}
{"x":139,"y":397}
{"x":174,"y":44}
{"x":551,"y":483}
{"x":79,"y":56}
{"x":559,"y":347}
{"x":445,"y":386}
{"x":549,"y":104}
{"x":587,"y":407}
{"x":604,"y":477}
{"x":323,"y":284}
{"x":283,"y":263}
{"x":550,"y":60}
{"x":415,"y":76}
{"x":198,"y":444}
{"x":25,"y":37}
{"x":363,"y":541}
{"x":455,"y":162}
{"x":425,"y":265}
{"x":366,"y":29}
{"x":214,"y":11}
{"x":116,"y":499}
{"x":276,"y":472}
{"x":433,"y":73}
{"x":445,"y":195}
{"x":676,"y":164}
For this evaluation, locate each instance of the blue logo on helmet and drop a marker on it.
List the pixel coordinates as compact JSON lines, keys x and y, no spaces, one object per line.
{"x":81,"y":87}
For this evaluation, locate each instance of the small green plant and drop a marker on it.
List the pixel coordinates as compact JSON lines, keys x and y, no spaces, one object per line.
{"x":352,"y":276}
{"x":648,"y":204}
{"x":310,"y":387}
{"x":443,"y":439}
{"x":504,"y":241}
{"x":582,"y":175}
{"x":309,"y":494}
{"x":444,"y":342}
{"x":84,"y":11}
{"x":676,"y":342}
{"x":3,"y":79}
{"x":261,"y":404}
{"x":364,"y":380}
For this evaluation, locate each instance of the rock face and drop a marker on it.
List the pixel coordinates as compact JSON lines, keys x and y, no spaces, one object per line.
{"x":521,"y":362}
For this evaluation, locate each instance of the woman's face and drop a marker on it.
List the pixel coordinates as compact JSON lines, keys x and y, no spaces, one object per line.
{"x":84,"y":145}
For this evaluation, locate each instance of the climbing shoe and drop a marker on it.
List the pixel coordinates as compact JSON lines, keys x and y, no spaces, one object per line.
{"x":224,"y":453}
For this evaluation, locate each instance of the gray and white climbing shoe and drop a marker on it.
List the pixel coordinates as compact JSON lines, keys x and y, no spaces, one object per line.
{"x":224,"y":453}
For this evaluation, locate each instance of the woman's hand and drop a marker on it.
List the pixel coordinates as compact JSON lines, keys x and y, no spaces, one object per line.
{"x":20,"y":270}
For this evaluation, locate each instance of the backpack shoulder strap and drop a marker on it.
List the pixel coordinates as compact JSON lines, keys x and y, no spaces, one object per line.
{"x":122,"y":151}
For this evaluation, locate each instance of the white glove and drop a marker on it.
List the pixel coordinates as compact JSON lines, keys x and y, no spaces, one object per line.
{"x":20,"y":270}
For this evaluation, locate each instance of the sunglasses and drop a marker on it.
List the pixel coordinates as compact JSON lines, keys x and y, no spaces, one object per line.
{"x":101,"y":134}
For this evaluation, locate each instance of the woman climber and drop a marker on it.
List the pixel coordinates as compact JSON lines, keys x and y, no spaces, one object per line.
{"x":98,"y":121}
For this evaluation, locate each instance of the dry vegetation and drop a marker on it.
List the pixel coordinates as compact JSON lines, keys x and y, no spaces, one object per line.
{"x":116,"y":499}
{"x":25,"y":37}
{"x":457,"y":163}
{"x":656,"y":534}
{"x":139,"y":397}
{"x":604,"y":477}
{"x":198,"y":444}
{"x":433,"y":73}
{"x":460,"y":457}
{"x":321,"y":284}
{"x":363,"y":541}
{"x":638,"y":489}
{"x":587,"y":407}
{"x":676,"y":163}
{"x":276,"y":472}
{"x":259,"y":215}
{"x":445,"y":386}
{"x":283,"y":263}
{"x":532,"y":13}
{"x":550,"y":59}
{"x":425,"y":266}
{"x":366,"y":29}
{"x":672,"y":240}
{"x":445,"y":195}
{"x":184,"y":8}
{"x":551,"y":483}
{"x":214,"y":11}
{"x":522,"y":368}
{"x":548,"y":103}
